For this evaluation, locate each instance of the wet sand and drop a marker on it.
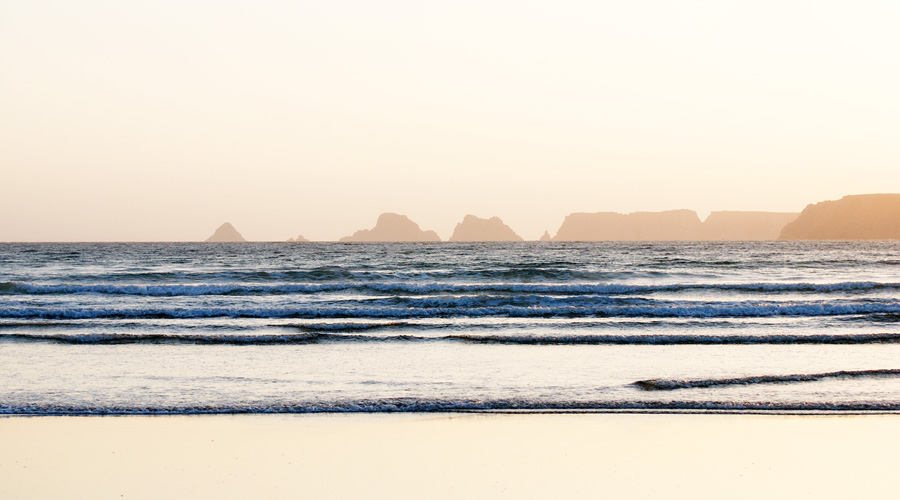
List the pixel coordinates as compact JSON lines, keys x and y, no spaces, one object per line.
{"x":450,"y":456}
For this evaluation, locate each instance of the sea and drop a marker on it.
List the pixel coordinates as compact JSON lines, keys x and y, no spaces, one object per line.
{"x":200,"y":328}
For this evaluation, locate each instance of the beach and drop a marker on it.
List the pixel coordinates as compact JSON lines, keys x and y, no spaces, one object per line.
{"x":453,"y":455}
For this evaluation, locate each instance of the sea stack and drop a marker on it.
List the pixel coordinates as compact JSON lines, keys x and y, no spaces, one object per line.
{"x":477,"y":229}
{"x":392,"y":227}
{"x":298,"y":239}
{"x":545,"y":236}
{"x":226,"y":234}
{"x":856,"y":217}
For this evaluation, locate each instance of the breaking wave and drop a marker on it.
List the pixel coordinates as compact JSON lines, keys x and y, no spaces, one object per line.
{"x":449,"y":405}
{"x":671,"y":385}
{"x":463,"y":307}
{"x":169,"y":290}
{"x":349,"y":327}
{"x":322,"y":337}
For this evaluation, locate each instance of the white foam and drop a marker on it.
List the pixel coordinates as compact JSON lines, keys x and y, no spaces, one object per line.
{"x":429,"y":287}
{"x":680,"y":309}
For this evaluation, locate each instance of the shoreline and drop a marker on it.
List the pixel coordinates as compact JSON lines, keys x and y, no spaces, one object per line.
{"x":787,"y":410}
{"x":450,"y":455}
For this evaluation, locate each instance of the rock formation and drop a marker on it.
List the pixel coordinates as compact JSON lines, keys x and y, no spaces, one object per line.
{"x":392,"y":227}
{"x":226,"y":234}
{"x":298,"y":239}
{"x":745,"y":226}
{"x":477,"y":229}
{"x":673,"y":225}
{"x":545,"y":236}
{"x":857,"y":217}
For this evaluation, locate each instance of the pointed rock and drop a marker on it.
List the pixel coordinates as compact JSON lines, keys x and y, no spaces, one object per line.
{"x":299,"y":239}
{"x":226,"y":234}
{"x":477,"y":229}
{"x":545,"y":236}
{"x":392,"y":227}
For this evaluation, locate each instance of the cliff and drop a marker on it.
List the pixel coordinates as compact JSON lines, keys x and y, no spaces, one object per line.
{"x":477,"y":229}
{"x":745,"y":226}
{"x":857,"y":217}
{"x":392,"y":227}
{"x":673,"y":225}
{"x":226,"y":234}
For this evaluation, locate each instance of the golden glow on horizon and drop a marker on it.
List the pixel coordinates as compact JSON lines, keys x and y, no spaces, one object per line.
{"x":161,"y":120}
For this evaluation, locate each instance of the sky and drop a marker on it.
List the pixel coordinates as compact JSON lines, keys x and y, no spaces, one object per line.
{"x":158,"y":121}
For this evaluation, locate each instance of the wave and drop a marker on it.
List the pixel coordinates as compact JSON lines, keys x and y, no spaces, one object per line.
{"x":345,"y":327}
{"x":163,"y":338}
{"x":411,"y":405}
{"x":313,"y":337}
{"x":682,"y":309}
{"x":839,"y":339}
{"x":671,"y":385}
{"x":170,"y":290}
{"x":34,"y":324}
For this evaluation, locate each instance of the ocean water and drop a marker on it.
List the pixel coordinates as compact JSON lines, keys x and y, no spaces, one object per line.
{"x":327,"y":327}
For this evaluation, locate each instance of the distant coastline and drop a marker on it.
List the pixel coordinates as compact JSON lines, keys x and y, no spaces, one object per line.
{"x":854,"y":217}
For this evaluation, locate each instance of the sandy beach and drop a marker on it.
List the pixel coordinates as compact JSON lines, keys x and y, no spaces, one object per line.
{"x":450,"y":456}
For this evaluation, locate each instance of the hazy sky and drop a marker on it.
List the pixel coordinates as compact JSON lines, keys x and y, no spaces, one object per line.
{"x":161,"y":120}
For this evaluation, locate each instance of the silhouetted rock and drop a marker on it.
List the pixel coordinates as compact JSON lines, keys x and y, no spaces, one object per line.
{"x":673,"y":225}
{"x":545,"y":236}
{"x":745,"y":226}
{"x":298,"y":239}
{"x":392,"y":227}
{"x":857,"y":217}
{"x":226,"y":234}
{"x":477,"y":229}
